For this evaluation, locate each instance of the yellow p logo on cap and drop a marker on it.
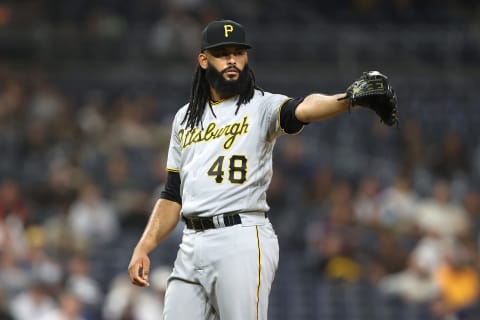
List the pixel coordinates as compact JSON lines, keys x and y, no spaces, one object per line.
{"x":228,"y":28}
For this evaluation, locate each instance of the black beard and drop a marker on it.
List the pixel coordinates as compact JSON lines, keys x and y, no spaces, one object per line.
{"x":227,"y":88}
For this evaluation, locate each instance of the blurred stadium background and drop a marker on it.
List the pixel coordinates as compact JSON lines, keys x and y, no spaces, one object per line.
{"x":374,"y":222}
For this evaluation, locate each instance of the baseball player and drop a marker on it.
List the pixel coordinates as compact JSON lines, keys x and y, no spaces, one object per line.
{"x":219,"y":168}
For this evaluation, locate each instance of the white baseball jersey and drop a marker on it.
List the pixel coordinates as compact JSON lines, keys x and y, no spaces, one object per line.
{"x":225,"y":166}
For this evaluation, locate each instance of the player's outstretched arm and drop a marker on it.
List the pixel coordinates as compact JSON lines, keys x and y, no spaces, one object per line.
{"x":317,"y":107}
{"x":162,"y":221}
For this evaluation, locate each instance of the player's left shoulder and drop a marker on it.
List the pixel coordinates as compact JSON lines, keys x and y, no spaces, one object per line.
{"x":268,"y":97}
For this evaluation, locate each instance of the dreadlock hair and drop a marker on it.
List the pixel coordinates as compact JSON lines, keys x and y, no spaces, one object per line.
{"x":200,"y":96}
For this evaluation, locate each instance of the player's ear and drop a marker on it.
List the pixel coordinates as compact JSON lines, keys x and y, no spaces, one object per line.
{"x":202,"y":60}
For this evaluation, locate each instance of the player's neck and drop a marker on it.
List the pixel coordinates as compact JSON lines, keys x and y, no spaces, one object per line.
{"x":216,"y":97}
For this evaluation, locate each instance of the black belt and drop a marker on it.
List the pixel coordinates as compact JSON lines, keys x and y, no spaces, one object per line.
{"x":204,"y":223}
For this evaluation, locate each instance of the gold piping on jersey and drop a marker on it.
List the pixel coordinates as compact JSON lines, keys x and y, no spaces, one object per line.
{"x":214,"y":103}
{"x":259,"y":270}
{"x":173,"y":170}
{"x":192,"y":136}
{"x":280,"y":125}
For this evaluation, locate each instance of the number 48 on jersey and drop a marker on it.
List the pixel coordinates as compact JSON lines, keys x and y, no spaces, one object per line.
{"x":237,"y":169}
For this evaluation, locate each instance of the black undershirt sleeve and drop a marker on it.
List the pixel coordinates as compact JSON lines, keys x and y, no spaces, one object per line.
{"x":288,"y":122}
{"x":172,"y":188}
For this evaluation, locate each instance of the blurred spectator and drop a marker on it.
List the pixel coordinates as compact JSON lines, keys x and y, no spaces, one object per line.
{"x":83,"y":285}
{"x":386,"y":256}
{"x":125,"y":301}
{"x":11,"y":202}
{"x":59,"y":189}
{"x":89,"y":116}
{"x":320,"y":186}
{"x":69,"y":308}
{"x":63,"y":181}
{"x":131,"y":128}
{"x":439,"y":215}
{"x":366,"y":205}
{"x":342,"y":194}
{"x":12,"y":236}
{"x":458,"y":282}
{"x":331,"y":240}
{"x":397,"y":205}
{"x":39,"y":263}
{"x":46,"y":102}
{"x":33,"y":303}
{"x":12,"y":99}
{"x":92,"y":217}
{"x":118,"y":185}
{"x":416,"y":283}
{"x":60,"y":237}
{"x":13,"y":278}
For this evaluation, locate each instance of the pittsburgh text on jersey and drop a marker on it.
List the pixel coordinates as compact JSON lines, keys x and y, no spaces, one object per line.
{"x":211,"y":132}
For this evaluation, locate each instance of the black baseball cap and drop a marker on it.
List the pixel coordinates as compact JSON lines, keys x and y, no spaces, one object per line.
{"x":223,"y":32}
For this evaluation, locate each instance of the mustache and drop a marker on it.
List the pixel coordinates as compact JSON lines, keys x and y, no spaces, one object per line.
{"x":230,"y":68}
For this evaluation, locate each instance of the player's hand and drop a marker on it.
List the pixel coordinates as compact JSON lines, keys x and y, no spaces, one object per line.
{"x":139,"y":268}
